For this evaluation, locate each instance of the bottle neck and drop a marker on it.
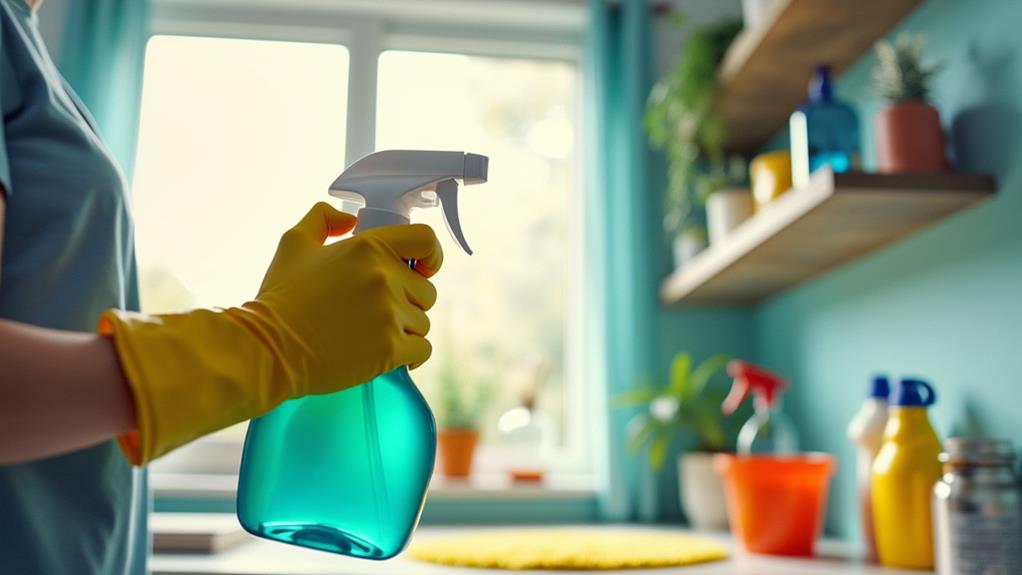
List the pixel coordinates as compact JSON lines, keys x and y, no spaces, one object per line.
{"x":904,"y":420}
{"x":820,"y":88}
{"x":762,"y":406}
{"x":369,"y":218}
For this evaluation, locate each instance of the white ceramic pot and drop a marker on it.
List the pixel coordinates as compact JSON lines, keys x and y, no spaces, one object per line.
{"x":725,"y":209}
{"x":702,"y":492}
{"x":687,"y":245}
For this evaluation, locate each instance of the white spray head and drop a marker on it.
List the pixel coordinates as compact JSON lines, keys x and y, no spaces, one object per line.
{"x":383,"y":187}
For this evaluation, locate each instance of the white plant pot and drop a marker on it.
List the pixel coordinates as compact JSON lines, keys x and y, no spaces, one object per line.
{"x":702,"y":492}
{"x":725,"y":209}
{"x":687,"y":245}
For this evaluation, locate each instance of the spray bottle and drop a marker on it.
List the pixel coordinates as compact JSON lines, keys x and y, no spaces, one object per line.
{"x":768,"y":431}
{"x":348,"y":472}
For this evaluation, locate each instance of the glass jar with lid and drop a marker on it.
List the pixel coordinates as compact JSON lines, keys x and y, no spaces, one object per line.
{"x":976,"y":509}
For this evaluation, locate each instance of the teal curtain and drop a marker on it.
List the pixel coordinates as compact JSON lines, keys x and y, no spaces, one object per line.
{"x":102,"y":56}
{"x":621,"y":233}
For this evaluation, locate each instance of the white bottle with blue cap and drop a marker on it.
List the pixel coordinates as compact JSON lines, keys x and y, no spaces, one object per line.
{"x":866,"y":431}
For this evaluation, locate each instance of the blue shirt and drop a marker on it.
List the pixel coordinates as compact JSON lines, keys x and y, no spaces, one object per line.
{"x":67,"y":256}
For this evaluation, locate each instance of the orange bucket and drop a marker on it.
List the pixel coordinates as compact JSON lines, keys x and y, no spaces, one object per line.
{"x":776,"y":504}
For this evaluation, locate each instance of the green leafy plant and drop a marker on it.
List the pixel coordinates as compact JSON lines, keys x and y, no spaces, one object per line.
{"x":900,"y":74}
{"x":682,"y":119}
{"x":461,"y":397}
{"x":685,"y":404}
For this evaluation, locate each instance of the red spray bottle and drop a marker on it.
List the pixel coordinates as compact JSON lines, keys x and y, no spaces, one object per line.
{"x":768,"y":431}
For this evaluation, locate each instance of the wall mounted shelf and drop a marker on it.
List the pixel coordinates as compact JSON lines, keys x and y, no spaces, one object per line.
{"x":765,"y":72}
{"x":834,"y":220}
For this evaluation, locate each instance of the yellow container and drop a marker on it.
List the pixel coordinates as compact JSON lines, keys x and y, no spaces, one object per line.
{"x":904,"y":473}
{"x":770,"y":174}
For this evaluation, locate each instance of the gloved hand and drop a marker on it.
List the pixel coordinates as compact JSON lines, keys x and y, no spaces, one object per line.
{"x":327,"y":317}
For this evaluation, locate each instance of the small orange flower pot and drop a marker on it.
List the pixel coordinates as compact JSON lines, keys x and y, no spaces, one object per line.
{"x":455,"y":448}
{"x":909,"y":138}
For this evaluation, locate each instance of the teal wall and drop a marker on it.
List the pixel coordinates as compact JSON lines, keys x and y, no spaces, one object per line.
{"x":946,"y":303}
{"x":701,"y":332}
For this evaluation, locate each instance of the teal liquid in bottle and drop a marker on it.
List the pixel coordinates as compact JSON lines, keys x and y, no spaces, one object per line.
{"x":345,"y":472}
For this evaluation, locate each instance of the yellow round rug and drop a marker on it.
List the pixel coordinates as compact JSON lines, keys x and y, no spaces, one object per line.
{"x":568,"y":549}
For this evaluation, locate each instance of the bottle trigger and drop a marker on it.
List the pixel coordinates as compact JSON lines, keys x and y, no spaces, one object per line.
{"x":447,"y":191}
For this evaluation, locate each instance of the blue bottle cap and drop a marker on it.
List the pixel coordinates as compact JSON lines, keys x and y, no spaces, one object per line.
{"x":820,"y":88}
{"x":880,"y":387}
{"x":907,"y":393}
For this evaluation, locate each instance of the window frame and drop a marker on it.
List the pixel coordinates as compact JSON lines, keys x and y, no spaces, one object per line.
{"x":367,"y":29}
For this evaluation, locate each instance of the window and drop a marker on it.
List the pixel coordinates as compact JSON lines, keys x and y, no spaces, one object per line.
{"x":237,"y":138}
{"x":243,"y":128}
{"x":500,"y":321}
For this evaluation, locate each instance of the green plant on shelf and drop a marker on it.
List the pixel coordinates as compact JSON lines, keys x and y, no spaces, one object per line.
{"x":682,"y":119}
{"x":685,"y":405}
{"x":461,"y":398}
{"x":900,"y":74}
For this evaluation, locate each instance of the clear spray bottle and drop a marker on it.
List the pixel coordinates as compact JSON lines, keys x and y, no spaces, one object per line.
{"x":348,"y":472}
{"x":769,"y":430}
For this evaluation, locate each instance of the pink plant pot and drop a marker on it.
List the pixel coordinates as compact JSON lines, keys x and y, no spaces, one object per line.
{"x":909,"y":138}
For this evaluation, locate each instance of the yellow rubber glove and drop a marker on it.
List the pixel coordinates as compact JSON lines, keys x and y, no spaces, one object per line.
{"x":327,"y":317}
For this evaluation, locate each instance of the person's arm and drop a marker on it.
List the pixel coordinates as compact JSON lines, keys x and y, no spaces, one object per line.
{"x":75,"y":376}
{"x":59,"y":391}
{"x":327,"y":317}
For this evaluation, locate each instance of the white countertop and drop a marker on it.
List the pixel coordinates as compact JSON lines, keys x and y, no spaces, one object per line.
{"x":260,"y":557}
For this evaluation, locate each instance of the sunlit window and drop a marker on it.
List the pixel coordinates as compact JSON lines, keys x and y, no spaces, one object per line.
{"x":500,"y":324}
{"x":239,"y":138}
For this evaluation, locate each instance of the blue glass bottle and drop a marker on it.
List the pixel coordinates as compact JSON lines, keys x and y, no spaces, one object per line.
{"x":824,"y":131}
{"x":345,"y":472}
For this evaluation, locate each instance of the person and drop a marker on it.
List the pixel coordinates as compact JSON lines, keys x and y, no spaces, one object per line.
{"x":80,"y":405}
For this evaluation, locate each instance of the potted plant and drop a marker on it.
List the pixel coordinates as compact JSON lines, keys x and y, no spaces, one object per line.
{"x":682,"y":120}
{"x":727,"y":204}
{"x":459,"y":408}
{"x":687,"y":406}
{"x":909,"y":137}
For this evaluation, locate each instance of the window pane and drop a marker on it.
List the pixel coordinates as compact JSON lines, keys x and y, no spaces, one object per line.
{"x":500,"y":321}
{"x":238,"y":138}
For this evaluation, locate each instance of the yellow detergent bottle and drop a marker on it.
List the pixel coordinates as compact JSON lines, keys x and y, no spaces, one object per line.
{"x":904,"y":473}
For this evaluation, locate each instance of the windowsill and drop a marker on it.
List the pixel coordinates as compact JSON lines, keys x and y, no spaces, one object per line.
{"x":501,"y":487}
{"x":480,"y":487}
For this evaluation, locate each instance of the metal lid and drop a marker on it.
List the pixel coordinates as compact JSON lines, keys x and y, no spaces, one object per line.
{"x":971,"y":450}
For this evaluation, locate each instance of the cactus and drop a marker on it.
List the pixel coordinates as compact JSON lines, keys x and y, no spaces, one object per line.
{"x":901,"y":75}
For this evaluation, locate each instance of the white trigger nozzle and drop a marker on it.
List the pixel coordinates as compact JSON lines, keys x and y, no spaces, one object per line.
{"x":384,"y":187}
{"x":447,"y":191}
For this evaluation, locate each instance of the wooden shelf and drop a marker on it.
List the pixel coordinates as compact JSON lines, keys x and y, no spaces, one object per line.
{"x":765,"y":73}
{"x":835,"y":219}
